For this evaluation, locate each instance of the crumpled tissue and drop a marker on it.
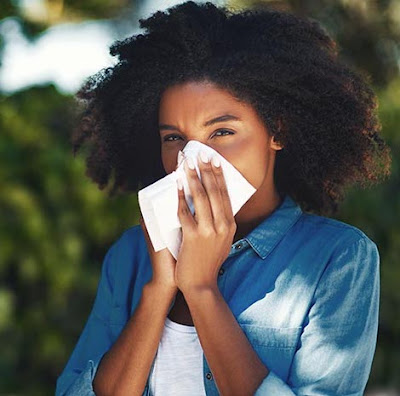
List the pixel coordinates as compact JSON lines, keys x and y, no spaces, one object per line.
{"x":159,"y":201}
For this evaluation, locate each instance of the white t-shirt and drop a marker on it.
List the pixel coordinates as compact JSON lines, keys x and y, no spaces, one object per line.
{"x":178,"y":365}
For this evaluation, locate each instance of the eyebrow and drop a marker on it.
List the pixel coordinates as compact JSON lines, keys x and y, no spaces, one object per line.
{"x":221,"y":118}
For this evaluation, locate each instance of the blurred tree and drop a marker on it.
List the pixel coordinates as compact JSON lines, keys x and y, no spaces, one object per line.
{"x":368,"y":32}
{"x":56,"y":227}
{"x":36,"y":16}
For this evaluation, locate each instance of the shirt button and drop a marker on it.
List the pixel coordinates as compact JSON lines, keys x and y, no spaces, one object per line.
{"x":221,"y":271}
{"x":209,"y":376}
{"x":238,"y":246}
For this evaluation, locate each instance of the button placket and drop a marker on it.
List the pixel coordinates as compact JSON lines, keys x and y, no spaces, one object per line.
{"x":223,"y":274}
{"x":209,"y":383}
{"x":221,"y":279}
{"x":238,"y":246}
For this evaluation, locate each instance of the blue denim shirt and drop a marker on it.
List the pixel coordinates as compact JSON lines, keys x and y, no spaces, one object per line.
{"x":304,"y":289}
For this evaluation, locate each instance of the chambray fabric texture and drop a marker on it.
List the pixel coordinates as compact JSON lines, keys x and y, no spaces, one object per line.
{"x":304,"y":288}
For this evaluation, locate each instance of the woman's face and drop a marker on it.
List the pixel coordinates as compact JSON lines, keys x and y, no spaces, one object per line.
{"x":210,"y":115}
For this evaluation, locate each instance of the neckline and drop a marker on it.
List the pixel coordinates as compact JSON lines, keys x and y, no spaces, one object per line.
{"x":179,"y":327}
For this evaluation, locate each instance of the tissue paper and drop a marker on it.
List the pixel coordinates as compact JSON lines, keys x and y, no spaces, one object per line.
{"x":159,"y":201}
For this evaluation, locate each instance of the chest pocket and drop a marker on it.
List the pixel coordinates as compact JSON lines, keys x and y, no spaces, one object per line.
{"x":275,"y":346}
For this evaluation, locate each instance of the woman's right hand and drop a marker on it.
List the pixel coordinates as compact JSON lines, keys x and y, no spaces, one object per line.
{"x":163,"y":263}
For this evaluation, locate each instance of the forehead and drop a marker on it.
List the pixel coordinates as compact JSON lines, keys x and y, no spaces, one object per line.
{"x":199,"y":99}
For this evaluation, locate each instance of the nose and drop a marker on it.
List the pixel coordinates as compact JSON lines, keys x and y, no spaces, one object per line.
{"x":181,"y":154}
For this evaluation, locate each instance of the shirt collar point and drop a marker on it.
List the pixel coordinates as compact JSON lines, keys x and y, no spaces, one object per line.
{"x":270,"y":231}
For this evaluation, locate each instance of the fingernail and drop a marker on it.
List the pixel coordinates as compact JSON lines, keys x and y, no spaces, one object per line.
{"x":180,"y":184}
{"x":204,"y":156}
{"x":190,"y":162}
{"x":216,"y":161}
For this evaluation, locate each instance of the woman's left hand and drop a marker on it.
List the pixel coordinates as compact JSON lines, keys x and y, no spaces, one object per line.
{"x":207,"y":236}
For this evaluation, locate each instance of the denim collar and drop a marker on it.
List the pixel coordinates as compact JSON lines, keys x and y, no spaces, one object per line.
{"x":271,"y":230}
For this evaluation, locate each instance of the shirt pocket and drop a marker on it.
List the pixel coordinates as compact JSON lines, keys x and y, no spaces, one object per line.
{"x":275,"y":346}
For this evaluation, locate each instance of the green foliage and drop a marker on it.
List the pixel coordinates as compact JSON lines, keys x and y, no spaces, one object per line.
{"x":53,"y":12}
{"x":376,"y":211}
{"x":367,"y":32}
{"x":56,"y":227}
{"x":7,"y":8}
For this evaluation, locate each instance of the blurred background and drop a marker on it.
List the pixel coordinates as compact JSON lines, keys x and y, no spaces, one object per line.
{"x":55,"y":224}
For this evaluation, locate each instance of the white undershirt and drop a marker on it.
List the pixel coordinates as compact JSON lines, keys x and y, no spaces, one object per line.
{"x":178,"y":366}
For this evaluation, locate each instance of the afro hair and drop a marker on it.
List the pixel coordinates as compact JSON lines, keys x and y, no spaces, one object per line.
{"x":320,"y":110}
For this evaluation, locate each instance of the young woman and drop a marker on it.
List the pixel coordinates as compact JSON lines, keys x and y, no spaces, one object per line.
{"x":279,"y":299}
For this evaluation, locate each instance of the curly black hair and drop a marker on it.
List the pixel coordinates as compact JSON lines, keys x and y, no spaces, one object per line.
{"x":321,"y":111}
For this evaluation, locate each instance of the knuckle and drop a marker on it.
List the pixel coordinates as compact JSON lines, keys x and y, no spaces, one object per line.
{"x":223,"y":227}
{"x":191,"y":234}
{"x":207,"y":231}
{"x":217,"y":170}
{"x":230,"y":228}
{"x":200,"y":192}
{"x":224,"y":191}
{"x":191,"y":176}
{"x":221,"y":230}
{"x":214,"y":188}
{"x":206,"y":169}
{"x":184,"y":210}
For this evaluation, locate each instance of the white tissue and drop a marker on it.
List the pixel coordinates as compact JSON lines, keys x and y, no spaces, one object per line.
{"x":159,"y":201}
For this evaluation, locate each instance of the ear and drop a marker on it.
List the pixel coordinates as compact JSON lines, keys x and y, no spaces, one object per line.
{"x":274,"y":145}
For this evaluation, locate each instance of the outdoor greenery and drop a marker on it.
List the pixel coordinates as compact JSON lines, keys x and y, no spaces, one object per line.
{"x":56,"y":226}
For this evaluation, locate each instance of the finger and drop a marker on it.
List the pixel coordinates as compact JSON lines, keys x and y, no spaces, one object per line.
{"x":185,"y":215}
{"x":215,"y":197}
{"x":201,"y":202}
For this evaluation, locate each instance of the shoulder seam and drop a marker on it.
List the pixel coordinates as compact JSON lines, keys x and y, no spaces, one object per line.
{"x":338,"y":224}
{"x":364,"y":239}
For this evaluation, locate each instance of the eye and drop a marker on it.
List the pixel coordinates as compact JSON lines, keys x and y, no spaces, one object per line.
{"x":166,"y":138}
{"x":224,"y":130}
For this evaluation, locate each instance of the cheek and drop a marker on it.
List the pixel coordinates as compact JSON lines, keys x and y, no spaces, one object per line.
{"x":167,"y":163}
{"x":169,"y":157}
{"x":254,"y":170}
{"x":250,"y":160}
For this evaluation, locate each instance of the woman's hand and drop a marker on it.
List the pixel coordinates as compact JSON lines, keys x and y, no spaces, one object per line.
{"x":207,"y":236}
{"x":163,"y":263}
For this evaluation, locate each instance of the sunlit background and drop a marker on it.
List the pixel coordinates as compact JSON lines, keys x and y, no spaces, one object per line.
{"x":56,"y":225}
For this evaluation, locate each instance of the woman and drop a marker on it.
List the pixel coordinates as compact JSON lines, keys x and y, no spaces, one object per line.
{"x":277,"y":300}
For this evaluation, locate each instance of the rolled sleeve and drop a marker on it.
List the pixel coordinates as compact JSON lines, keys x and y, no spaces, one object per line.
{"x":80,"y":370}
{"x":336,"y":348}
{"x":273,"y":385}
{"x":81,"y":384}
